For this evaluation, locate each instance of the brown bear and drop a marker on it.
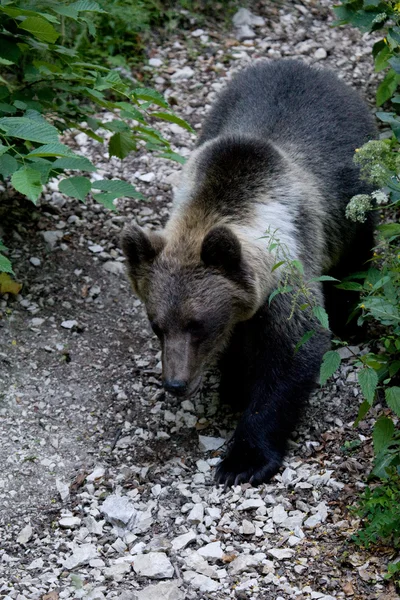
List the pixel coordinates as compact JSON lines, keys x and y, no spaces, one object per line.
{"x":275,"y":154}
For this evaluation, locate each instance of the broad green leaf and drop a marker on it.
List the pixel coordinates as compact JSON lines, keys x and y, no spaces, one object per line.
{"x":387,"y":87}
{"x":87,"y":5}
{"x":40,"y":28}
{"x":7,"y":108}
{"x":106,"y":199}
{"x":383,"y":433}
{"x":43,"y":166}
{"x":322,"y":316}
{"x":173,"y":119}
{"x":381,"y":59}
{"x":352,"y":286}
{"x":392,"y":396}
{"x":151,"y":95}
{"x":330,"y":363}
{"x":324,"y":278}
{"x":277,"y":265}
{"x":27,"y":181}
{"x":121,"y":144}
{"x":383,"y":461}
{"x":362,"y":411}
{"x":173,"y":156}
{"x":3,"y":149}
{"x":66,"y":11}
{"x":77,"y":187}
{"x":117,"y":187}
{"x":368,"y":380}
{"x":55,"y":149}
{"x":389,"y":230}
{"x":29,"y":129}
{"x":9,"y":49}
{"x":74,"y":163}
{"x":308,"y":335}
{"x":391,"y":119}
{"x":8,"y":165}
{"x":5,"y":265}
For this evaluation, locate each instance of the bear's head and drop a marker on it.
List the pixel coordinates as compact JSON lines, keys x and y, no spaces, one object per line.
{"x":193,"y":301}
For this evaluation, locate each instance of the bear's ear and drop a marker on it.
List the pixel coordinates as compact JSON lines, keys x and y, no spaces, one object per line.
{"x":221,"y":249}
{"x":140,"y":247}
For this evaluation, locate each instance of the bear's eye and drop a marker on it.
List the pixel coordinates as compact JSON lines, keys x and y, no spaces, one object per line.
{"x":195,"y":328}
{"x":156,"y":328}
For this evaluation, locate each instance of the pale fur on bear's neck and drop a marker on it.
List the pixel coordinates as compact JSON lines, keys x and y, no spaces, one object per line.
{"x":192,"y":219}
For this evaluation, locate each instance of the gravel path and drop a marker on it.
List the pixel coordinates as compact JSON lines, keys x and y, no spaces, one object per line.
{"x":106,"y":484}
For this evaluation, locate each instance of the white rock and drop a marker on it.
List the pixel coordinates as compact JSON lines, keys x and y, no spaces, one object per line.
{"x":166,"y":590}
{"x":212,"y":551}
{"x":322,"y":511}
{"x":196,"y":515}
{"x":295,"y":519}
{"x":197,"y":563}
{"x":155,"y":62}
{"x":197,"y":33}
{"x":244,"y":32}
{"x":244,"y":562}
{"x":251,"y":503}
{"x":279,"y":514}
{"x":119,"y":511}
{"x":293,"y":540}
{"x":36,"y":564}
{"x":182,"y":74}
{"x":180,"y":542}
{"x":96,"y":248}
{"x":62,"y":489}
{"x":52,"y":237}
{"x":69,"y":522}
{"x":80,"y":556}
{"x":201,"y":582}
{"x":97,"y":473}
{"x":245,"y":17}
{"x":320,"y":54}
{"x":203,"y":466}
{"x":147,"y":177}
{"x":155,"y":565}
{"x":93,"y":526}
{"x":37,"y":322}
{"x":69,"y":324}
{"x":25,"y":534}
{"x":117,"y":571}
{"x":313,"y":521}
{"x":213,"y":512}
{"x":288,"y":475}
{"x":36,"y":262}
{"x":114,"y":267}
{"x":207,"y":444}
{"x":281,"y":553}
{"x":81,"y":139}
{"x":248,"y":527}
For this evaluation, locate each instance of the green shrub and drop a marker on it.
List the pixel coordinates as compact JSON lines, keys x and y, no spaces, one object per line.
{"x":47,"y":88}
{"x":380,"y":285}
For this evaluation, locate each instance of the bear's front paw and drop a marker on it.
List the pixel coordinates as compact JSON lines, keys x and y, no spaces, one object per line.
{"x":244,"y":464}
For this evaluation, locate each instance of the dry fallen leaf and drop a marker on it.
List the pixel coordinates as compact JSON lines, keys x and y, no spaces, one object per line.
{"x":8,"y":285}
{"x":51,"y":596}
{"x":228,"y":558}
{"x":348,"y":589}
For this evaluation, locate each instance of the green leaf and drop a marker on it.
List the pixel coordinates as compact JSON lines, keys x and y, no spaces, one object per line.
{"x":391,"y":119}
{"x":298,"y":265}
{"x":308,"y":335}
{"x":106,"y":199}
{"x":389,"y":230}
{"x":40,"y":28}
{"x":322,"y":316}
{"x":66,"y":11}
{"x":277,"y":265}
{"x":3,"y":149}
{"x":352,"y":286}
{"x":77,"y":187}
{"x":381,"y":59}
{"x":383,"y":461}
{"x":87,"y":6}
{"x":27,"y":181}
{"x":151,"y":95}
{"x":368,"y":380}
{"x":387,"y":87}
{"x":281,"y":290}
{"x":117,"y":187}
{"x":173,"y":119}
{"x":324,"y":278}
{"x":121,"y":144}
{"x":9,"y":49}
{"x":392,"y":396}
{"x":383,"y":433}
{"x":55,"y":149}
{"x":8,"y":165}
{"x":5,"y":265}
{"x":74,"y":163}
{"x":362,"y":411}
{"x":330,"y":364}
{"x":173,"y":156}
{"x":29,"y":129}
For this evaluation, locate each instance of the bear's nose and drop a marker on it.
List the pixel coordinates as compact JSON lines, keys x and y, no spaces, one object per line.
{"x":175,"y":387}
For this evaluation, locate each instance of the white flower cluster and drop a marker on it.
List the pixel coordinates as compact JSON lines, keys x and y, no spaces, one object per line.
{"x":358,"y":207}
{"x":380,"y":197}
